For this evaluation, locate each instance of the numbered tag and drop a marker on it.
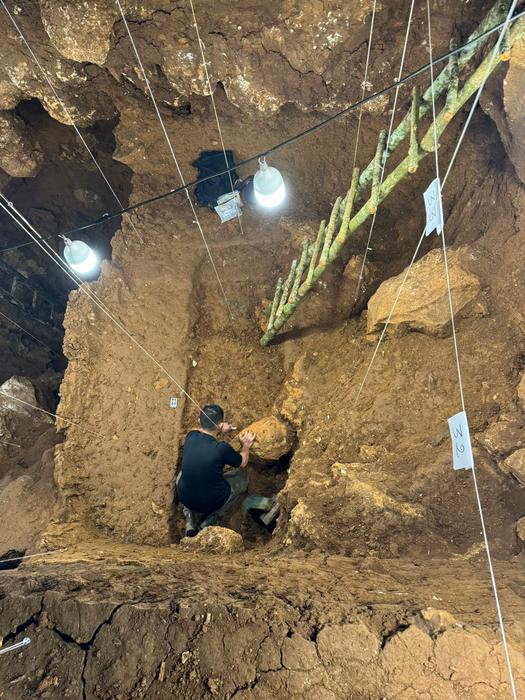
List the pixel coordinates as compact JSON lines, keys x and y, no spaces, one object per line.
{"x":173,"y":402}
{"x":460,"y":436}
{"x":434,"y":208}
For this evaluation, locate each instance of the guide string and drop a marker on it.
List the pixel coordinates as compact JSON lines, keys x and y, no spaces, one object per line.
{"x":68,"y":115}
{"x":364,"y":84}
{"x":292,"y":139}
{"x":24,"y":330}
{"x":385,"y":158}
{"x":30,"y":230}
{"x":205,"y":64}
{"x":456,"y":349}
{"x":174,"y":157}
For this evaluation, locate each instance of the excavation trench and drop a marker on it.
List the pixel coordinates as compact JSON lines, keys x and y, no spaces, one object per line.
{"x":374,"y":582}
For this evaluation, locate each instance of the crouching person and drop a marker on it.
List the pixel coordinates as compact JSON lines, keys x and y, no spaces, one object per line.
{"x":206,"y":492}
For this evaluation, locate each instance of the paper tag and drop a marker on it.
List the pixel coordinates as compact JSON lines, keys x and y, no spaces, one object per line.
{"x":228,"y":206}
{"x":434,"y":208}
{"x":173,"y":402}
{"x":461,"y":448}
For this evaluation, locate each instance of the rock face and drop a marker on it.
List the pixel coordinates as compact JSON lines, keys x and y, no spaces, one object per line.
{"x":20,"y":156}
{"x":274,"y":439}
{"x":13,"y":411}
{"x":347,"y":301}
{"x":63,"y":19}
{"x":520,"y":529}
{"x":502,"y":102}
{"x":521,"y":390}
{"x":215,"y":540}
{"x":424,"y":305}
{"x":515,"y":465}
{"x":502,"y":437}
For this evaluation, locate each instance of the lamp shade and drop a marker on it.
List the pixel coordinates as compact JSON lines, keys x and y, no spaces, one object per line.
{"x":79,"y":256}
{"x":268,"y":185}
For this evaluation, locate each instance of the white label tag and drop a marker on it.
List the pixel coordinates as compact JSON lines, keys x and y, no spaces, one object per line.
{"x":228,"y":206}
{"x":434,"y":208}
{"x":173,"y":402}
{"x":461,"y":448}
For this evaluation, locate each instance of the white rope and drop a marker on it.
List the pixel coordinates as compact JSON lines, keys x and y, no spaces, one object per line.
{"x":174,"y":157}
{"x":385,"y":157}
{"x":25,"y":641}
{"x":445,"y":178}
{"x":204,"y":63}
{"x":69,"y":116}
{"x":364,"y":83}
{"x":456,"y":349}
{"x":28,"y":228}
{"x":28,"y":333}
{"x":31,"y":556}
{"x":37,"y":408}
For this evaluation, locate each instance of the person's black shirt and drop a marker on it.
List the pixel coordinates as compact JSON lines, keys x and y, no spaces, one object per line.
{"x":202,"y":486}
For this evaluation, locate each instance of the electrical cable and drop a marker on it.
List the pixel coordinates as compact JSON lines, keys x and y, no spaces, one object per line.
{"x":387,"y":146}
{"x":455,"y":342}
{"x":68,"y":115}
{"x":29,"y":334}
{"x":204,"y":63}
{"x":307,"y":132}
{"x":30,"y":230}
{"x":174,"y":157}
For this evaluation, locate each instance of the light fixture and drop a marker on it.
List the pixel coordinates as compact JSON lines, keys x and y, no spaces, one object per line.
{"x":79,"y":256}
{"x":268,"y":185}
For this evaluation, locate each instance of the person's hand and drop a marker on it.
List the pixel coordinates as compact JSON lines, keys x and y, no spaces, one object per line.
{"x":227,"y":427}
{"x":247,"y":439}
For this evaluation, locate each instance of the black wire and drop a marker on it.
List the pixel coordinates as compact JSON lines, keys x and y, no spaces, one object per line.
{"x":286,"y":142}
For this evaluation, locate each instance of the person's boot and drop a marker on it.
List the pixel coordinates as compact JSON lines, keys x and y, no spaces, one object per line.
{"x":192,"y":526}
{"x":210,"y":521}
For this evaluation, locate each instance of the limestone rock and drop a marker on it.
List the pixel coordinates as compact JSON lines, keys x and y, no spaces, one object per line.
{"x":521,"y":390}
{"x":347,"y":644}
{"x":502,"y":102}
{"x":20,"y":155}
{"x":20,"y":388}
{"x":80,"y":30}
{"x":424,"y":304}
{"x":437,"y":621}
{"x":503,"y":437}
{"x":215,"y":540}
{"x":299,"y":653}
{"x":346,"y":300}
{"x":515,"y":465}
{"x":520,"y":529}
{"x":290,"y":402}
{"x":274,"y":439}
{"x":368,"y":497}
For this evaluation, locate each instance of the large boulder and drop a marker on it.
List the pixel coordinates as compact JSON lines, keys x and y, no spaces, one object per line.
{"x":214,"y":540}
{"x":424,"y":304}
{"x":515,"y":465}
{"x":62,"y":19}
{"x":274,"y":439}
